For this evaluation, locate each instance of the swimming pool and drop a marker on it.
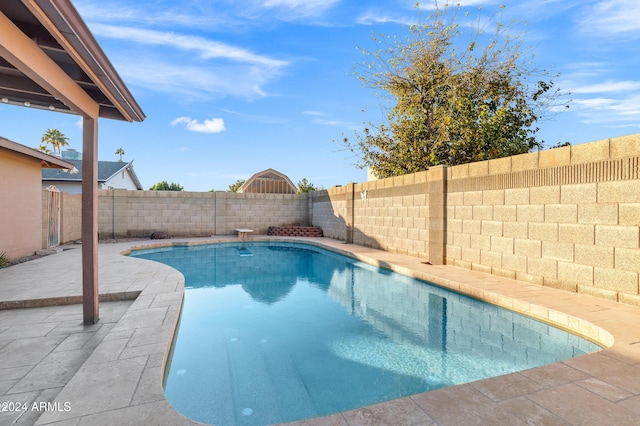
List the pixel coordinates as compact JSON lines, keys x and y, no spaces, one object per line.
{"x":275,"y":332}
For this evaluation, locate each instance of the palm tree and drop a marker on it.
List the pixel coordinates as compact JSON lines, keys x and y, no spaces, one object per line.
{"x":120,"y":152}
{"x":44,"y":148}
{"x":55,"y":138}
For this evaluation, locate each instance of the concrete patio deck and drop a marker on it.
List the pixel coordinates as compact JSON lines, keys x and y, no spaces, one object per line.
{"x":111,"y":372}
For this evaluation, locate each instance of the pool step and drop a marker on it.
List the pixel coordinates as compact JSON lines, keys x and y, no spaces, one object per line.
{"x":266,"y":386}
{"x":244,"y":252}
{"x":293,"y":398}
{"x":200,"y":385}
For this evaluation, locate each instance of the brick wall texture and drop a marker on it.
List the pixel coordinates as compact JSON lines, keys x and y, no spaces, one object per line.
{"x":567,"y":217}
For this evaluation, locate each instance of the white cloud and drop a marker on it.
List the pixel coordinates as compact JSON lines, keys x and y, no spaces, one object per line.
{"x":612,"y":18}
{"x":193,"y":67}
{"x":609,"y":112}
{"x":607,"y":87}
{"x":295,"y":9}
{"x":194,"y":81}
{"x":373,"y":17}
{"x":214,"y":125}
{"x":205,"y":48}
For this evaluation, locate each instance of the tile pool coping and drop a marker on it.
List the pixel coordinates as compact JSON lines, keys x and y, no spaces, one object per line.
{"x":122,"y":379}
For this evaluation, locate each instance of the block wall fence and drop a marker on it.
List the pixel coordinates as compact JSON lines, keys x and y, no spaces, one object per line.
{"x":125,"y":213}
{"x":566,"y":217}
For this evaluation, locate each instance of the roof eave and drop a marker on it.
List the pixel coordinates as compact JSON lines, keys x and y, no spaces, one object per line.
{"x":47,"y":161}
{"x":63,"y":21}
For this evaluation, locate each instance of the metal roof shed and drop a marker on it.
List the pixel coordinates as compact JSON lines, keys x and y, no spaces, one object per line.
{"x":49,"y":59}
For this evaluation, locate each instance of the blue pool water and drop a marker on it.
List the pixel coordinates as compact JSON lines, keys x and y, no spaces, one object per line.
{"x":275,"y":332}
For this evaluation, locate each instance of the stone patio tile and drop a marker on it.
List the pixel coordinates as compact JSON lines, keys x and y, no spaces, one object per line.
{"x":24,"y":352}
{"x":150,"y":387}
{"x":12,"y":317}
{"x":534,"y":414}
{"x":332,"y":420}
{"x":631,"y":404}
{"x":471,"y":408}
{"x":55,"y":370}
{"x":68,"y":422}
{"x":154,"y":413}
{"x":604,"y":389}
{"x":142,"y":302}
{"x":167,"y":299}
{"x":578,"y":406}
{"x":120,"y":334}
{"x":150,"y":335}
{"x":41,"y":402}
{"x":141,"y":318}
{"x":27,"y":330}
{"x":143,"y":350}
{"x":609,"y":370}
{"x":14,"y":372}
{"x":507,"y":387}
{"x":73,"y":340}
{"x":107,"y":351}
{"x":554,"y":374}
{"x":4,"y":343}
{"x":399,"y":411}
{"x":5,"y":385}
{"x":10,"y":417}
{"x":98,"y":388}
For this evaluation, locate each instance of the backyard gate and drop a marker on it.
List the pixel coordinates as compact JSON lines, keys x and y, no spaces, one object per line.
{"x":53,"y":216}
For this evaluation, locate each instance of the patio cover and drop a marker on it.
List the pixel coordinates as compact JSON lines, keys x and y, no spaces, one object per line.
{"x":50,"y":60}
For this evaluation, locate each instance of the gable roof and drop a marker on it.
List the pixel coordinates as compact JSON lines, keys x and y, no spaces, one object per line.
{"x":268,"y":181}
{"x":106,"y":170}
{"x":48,"y":162}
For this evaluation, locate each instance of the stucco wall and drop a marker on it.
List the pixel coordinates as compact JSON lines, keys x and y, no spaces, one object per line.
{"x":20,"y":204}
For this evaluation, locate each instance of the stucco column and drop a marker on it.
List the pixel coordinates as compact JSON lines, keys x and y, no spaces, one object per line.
{"x":90,"y":304}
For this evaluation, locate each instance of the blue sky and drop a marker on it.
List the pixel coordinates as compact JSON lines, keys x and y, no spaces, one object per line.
{"x":231,"y":88}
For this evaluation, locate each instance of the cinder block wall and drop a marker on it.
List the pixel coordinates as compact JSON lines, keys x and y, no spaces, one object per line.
{"x":258,"y":211}
{"x":327,"y":209}
{"x":567,"y":218}
{"x":125,"y":213}
{"x":392,"y":214}
{"x":403,"y":214}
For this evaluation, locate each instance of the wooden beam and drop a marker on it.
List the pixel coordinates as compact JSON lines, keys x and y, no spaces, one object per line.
{"x":90,"y":293}
{"x":24,"y":54}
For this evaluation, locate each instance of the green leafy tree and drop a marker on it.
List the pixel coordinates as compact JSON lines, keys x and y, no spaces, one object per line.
{"x":305,"y":186}
{"x":55,"y":138}
{"x":165,"y":186}
{"x":451,"y":99}
{"x":120,"y":152}
{"x":236,"y":185}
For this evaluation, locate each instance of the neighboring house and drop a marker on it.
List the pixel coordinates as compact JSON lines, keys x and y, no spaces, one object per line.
{"x":21,"y":196}
{"x":268,"y":181}
{"x":111,"y":175}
